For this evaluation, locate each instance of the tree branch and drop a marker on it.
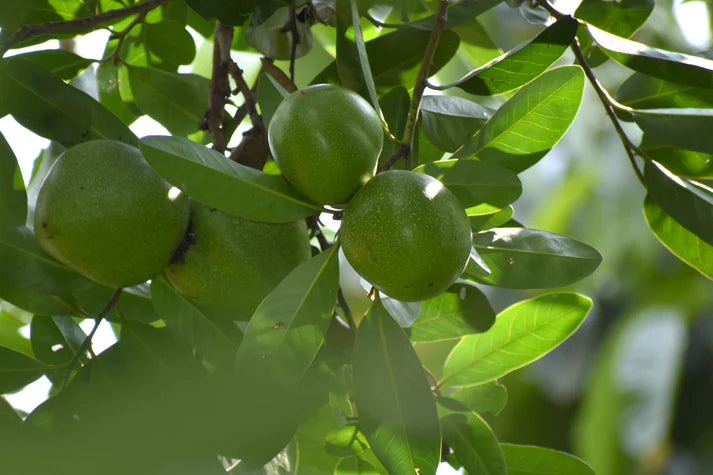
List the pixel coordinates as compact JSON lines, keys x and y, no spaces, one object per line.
{"x":219,"y":85}
{"x":26,"y":31}
{"x":406,"y":148}
{"x":278,"y":75}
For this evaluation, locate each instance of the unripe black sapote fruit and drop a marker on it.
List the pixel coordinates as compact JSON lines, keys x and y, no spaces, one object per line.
{"x":104,"y":212}
{"x":407,"y":234}
{"x":228,"y":264}
{"x":326,"y":141}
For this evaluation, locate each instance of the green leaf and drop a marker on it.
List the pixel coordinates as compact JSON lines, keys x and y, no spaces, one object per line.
{"x":473,"y":443}
{"x":46,"y":105}
{"x":228,"y":12}
{"x":458,"y":14}
{"x":217,"y":343}
{"x":686,"y":201}
{"x":345,"y":441}
{"x":17,"y":370}
{"x":483,"y":398}
{"x":178,"y":101}
{"x":394,"y":106}
{"x":475,"y":183}
{"x":170,"y":41}
{"x":134,"y":304}
{"x":520,"y":258}
{"x":620,"y":18}
{"x":531,"y":122}
{"x":354,"y":466}
{"x":532,"y":460}
{"x":641,"y":91}
{"x":352,"y":60}
{"x":55,"y":339}
{"x":397,"y":412}
{"x":212,"y":179}
{"x":668,"y":65}
{"x":461,"y":310}
{"x":13,"y":198}
{"x":486,"y":217}
{"x":22,"y":259}
{"x":685,"y":128}
{"x":269,"y":95}
{"x":449,"y":121}
{"x":522,"y":333}
{"x":62,"y":63}
{"x":13,"y":15}
{"x":680,"y":241}
{"x":681,"y":162}
{"x":522,"y":64}
{"x":110,"y":96}
{"x":279,"y":346}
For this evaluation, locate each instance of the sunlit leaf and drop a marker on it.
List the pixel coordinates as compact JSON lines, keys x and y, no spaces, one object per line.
{"x":522,"y":258}
{"x":641,"y":91}
{"x":521,"y":64}
{"x":170,"y":41}
{"x":212,"y":179}
{"x":669,"y":65}
{"x":345,"y":441}
{"x":532,"y":460}
{"x":473,"y":443}
{"x":685,"y":128}
{"x":531,"y":122}
{"x":397,"y":412}
{"x":484,"y":217}
{"x":680,"y":241}
{"x":483,"y":398}
{"x":687,"y":163}
{"x":522,"y":333}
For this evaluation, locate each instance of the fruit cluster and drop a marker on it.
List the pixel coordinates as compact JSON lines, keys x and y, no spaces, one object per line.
{"x":104,"y":212}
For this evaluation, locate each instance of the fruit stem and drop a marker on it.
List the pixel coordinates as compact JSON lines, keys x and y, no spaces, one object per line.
{"x":85,"y":346}
{"x":406,"y":149}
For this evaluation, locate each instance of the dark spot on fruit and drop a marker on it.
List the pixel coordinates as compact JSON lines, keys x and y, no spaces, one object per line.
{"x":189,"y":239}
{"x":430,"y":284}
{"x":44,"y":224}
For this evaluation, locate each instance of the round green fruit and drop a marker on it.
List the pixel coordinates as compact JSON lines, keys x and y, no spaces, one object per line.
{"x":406,"y":234}
{"x":326,"y":141}
{"x":228,"y":264}
{"x":105,"y":213}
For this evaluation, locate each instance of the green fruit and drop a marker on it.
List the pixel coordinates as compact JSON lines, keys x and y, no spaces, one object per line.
{"x":105,"y":213}
{"x":228,"y":264}
{"x":326,"y":141}
{"x":406,"y":234}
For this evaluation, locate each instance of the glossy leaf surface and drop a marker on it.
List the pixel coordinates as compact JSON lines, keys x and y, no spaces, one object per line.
{"x":397,"y":412}
{"x":212,"y":179}
{"x":532,"y":460}
{"x":522,"y":258}
{"x":531,"y":122}
{"x":449,"y":121}
{"x":521,"y":334}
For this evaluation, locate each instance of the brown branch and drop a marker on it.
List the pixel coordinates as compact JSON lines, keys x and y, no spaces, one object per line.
{"x":219,"y":86}
{"x":278,"y":75}
{"x":406,"y":148}
{"x":27,"y":31}
{"x":250,"y":102}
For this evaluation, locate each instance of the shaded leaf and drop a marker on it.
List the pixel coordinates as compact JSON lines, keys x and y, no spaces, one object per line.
{"x":461,"y":310}
{"x":473,"y":443}
{"x":522,"y":64}
{"x":17,"y":370}
{"x":170,"y":41}
{"x":215,"y":342}
{"x":405,"y":313}
{"x":680,"y":241}
{"x":531,"y":122}
{"x":212,"y":179}
{"x":62,"y":63}
{"x":13,"y":198}
{"x":177,"y":101}
{"x":458,"y":14}
{"x":687,"y":163}
{"x":397,"y":412}
{"x":689,"y":203}
{"x":55,"y":340}
{"x":110,"y":96}
{"x":522,"y":333}
{"x":43,"y":103}
{"x":669,"y":65}
{"x":354,"y":465}
{"x":641,"y":91}
{"x":449,"y":121}
{"x":269,"y":95}
{"x":520,"y":258}
{"x":134,"y":304}
{"x":532,"y":460}
{"x":685,"y":128}
{"x":229,"y":13}
{"x":475,"y":182}
{"x":483,"y":398}
{"x":394,"y":106}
